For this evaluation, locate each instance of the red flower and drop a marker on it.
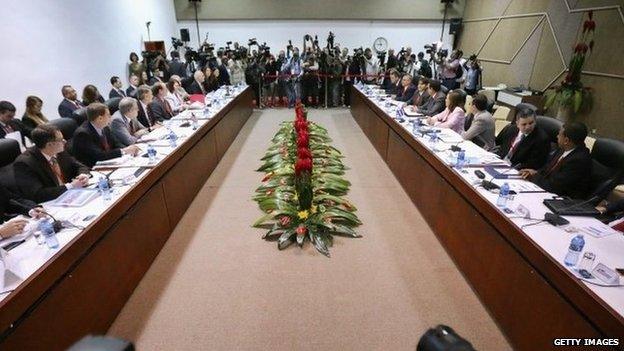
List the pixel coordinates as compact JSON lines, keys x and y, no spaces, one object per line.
{"x":303,"y":139}
{"x":285,"y":221}
{"x":301,"y":230}
{"x":303,"y":153}
{"x":303,"y":165}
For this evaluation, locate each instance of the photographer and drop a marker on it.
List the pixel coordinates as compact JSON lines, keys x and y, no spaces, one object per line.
{"x":293,"y":68}
{"x":424,"y":69}
{"x":269,"y":89}
{"x":252,"y":76}
{"x":451,"y":70}
{"x":352,"y":71}
{"x":370,"y":67}
{"x":176,"y":67}
{"x":334,"y":70}
{"x":393,"y":61}
{"x":309,"y":80}
{"x":135,"y":67}
{"x":281,"y":80}
{"x":472,"y":84}
{"x":237,"y":70}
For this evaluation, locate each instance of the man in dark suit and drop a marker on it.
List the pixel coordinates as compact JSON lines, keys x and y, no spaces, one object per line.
{"x":523,"y":143}
{"x":145,"y":116}
{"x":70,"y":102}
{"x":161,"y":110}
{"x":93,"y":140}
{"x":10,"y":205}
{"x":8,"y":123}
{"x":197,"y":87}
{"x":177,"y":67}
{"x":407,"y":90}
{"x":116,"y":90}
{"x":567,"y":172}
{"x":436,"y":102}
{"x":224,"y":75}
{"x":134,"y":85}
{"x":391,"y":83}
{"x":421,"y":96}
{"x":46,"y":171}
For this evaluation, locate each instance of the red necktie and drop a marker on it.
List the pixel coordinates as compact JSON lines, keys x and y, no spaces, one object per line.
{"x":167,"y":107}
{"x":7,"y":128}
{"x":56,"y":169}
{"x":104,"y":143}
{"x":512,"y":150}
{"x":554,"y":163}
{"x":619,"y":227}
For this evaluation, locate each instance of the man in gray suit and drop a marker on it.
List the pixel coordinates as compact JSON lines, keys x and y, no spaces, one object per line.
{"x":436,"y":102}
{"x":124,"y":124}
{"x":482,"y":128}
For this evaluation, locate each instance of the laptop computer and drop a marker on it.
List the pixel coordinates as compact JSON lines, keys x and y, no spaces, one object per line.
{"x":571,"y":207}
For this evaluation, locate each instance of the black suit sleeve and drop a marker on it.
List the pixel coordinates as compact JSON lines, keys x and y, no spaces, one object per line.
{"x":6,"y":207}
{"x":537,"y":156}
{"x":32,"y":187}
{"x":569,"y":179}
{"x":158,"y":112}
{"x":616,"y":207}
{"x":64,"y":111}
{"x":87,"y":151}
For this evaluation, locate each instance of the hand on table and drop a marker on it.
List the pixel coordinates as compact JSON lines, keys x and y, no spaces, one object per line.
{"x":131,"y":150}
{"x":12,"y":227}
{"x":80,"y":181}
{"x":37,"y":213}
{"x":527,"y":173}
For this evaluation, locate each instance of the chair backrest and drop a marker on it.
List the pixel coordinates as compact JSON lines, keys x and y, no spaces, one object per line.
{"x":9,"y":150}
{"x":80,"y":115}
{"x":607,"y":166}
{"x":66,"y":125}
{"x":113,"y":104}
{"x":550,"y":126}
{"x":490,"y":94}
{"x":501,"y":113}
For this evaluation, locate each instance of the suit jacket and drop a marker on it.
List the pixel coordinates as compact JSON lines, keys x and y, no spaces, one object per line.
{"x":570,"y":177}
{"x":482,"y":130}
{"x":116,"y":94}
{"x":196,"y":88}
{"x":17,"y":126}
{"x":36,"y":180}
{"x":7,"y":208}
{"x":159,"y":112}
{"x":88,"y":148}
{"x":121,"y":129}
{"x":145,"y":117}
{"x":177,"y":67}
{"x":532,"y":152}
{"x":418,"y":99}
{"x":66,"y":108}
{"x":406,"y":93}
{"x":434,"y":105}
{"x":224,"y":75}
{"x":615,"y":207}
{"x":131,"y":91}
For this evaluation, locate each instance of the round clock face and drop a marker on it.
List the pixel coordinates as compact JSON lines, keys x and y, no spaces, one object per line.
{"x":380,"y":44}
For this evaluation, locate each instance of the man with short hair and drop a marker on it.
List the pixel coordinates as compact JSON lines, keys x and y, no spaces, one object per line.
{"x":482,"y":128}
{"x":567,"y":171}
{"x":134,"y":85}
{"x":70,"y":102}
{"x":436,"y":102}
{"x":197,"y":87}
{"x":116,"y":90}
{"x":406,"y":92}
{"x":124,"y":125}
{"x":161,"y":110}
{"x":46,"y":170}
{"x":145,"y":116}
{"x":392,"y":84}
{"x":523,"y":143}
{"x":176,"y":67}
{"x":93,"y":141}
{"x":371,"y":67}
{"x":8,"y":123}
{"x":420,"y":96}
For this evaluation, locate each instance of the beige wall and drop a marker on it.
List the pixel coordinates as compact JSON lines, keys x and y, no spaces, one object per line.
{"x":538,"y":63}
{"x":317,"y":9}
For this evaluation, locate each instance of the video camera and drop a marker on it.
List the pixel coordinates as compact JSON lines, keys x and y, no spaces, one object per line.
{"x":176,"y":43}
{"x":252,"y":41}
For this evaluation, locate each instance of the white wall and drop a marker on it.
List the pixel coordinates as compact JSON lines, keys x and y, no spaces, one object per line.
{"x":350,"y":34}
{"x":47,"y":44}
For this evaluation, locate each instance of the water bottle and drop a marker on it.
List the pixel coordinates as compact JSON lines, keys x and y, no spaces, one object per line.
{"x":503,"y":194}
{"x":574,"y":251}
{"x":461,"y":159}
{"x":104,"y":188}
{"x":151,"y":153}
{"x":194,"y":123}
{"x":173,"y":138}
{"x":47,"y":230}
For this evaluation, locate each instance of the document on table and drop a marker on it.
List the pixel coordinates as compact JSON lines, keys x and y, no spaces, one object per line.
{"x":75,"y":197}
{"x":591,"y":226}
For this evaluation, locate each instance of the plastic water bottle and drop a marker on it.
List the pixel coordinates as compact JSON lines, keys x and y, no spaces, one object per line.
{"x":151,"y":153}
{"x":104,"y":188}
{"x":503,"y":195}
{"x":47,"y":230}
{"x":574,"y":251}
{"x":173,"y":138}
{"x":461,"y":159}
{"x":194,"y":123}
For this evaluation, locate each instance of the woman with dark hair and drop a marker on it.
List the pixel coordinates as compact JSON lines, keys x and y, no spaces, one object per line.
{"x":90,"y":94}
{"x":137,"y":68}
{"x":211,"y":83}
{"x":173,"y":98}
{"x":33,"y":116}
{"x":453,"y":116}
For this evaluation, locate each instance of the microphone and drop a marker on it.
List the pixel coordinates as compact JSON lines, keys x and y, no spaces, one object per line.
{"x":489,"y":185}
{"x":57,"y":225}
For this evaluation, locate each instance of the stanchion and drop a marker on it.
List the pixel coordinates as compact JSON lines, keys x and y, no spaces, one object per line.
{"x":325,"y":91}
{"x":260,"y":87}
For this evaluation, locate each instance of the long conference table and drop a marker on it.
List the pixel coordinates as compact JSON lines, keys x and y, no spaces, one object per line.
{"x":517,"y":273}
{"x":79,"y":288}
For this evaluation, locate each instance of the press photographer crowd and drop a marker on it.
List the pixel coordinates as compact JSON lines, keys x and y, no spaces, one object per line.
{"x":317,"y":75}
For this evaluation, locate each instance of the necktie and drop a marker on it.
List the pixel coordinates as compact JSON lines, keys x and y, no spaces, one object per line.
{"x":122,"y":93}
{"x":619,"y":227}
{"x":167,"y":107}
{"x":150,"y":118}
{"x":56,"y":169}
{"x":104,"y":142}
{"x":513,"y":148}
{"x":553,"y":163}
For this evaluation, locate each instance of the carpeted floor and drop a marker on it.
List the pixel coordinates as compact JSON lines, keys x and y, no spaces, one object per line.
{"x":217,"y":286}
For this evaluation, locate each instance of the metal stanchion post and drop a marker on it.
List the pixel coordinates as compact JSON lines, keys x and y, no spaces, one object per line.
{"x":260,"y":87}
{"x":325,"y":91}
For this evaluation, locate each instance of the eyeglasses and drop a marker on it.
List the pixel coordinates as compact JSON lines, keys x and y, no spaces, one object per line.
{"x":59,"y":140}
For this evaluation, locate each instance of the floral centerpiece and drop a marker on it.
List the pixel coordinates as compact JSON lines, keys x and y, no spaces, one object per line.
{"x":303,"y":188}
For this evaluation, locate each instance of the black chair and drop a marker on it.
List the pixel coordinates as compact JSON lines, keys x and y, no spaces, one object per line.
{"x":113,"y":104}
{"x":550,"y":126}
{"x":9,"y":150}
{"x":67,"y":126}
{"x":607,"y":167}
{"x":80,"y":115}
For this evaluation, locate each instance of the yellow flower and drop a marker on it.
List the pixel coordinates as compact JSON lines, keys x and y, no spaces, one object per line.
{"x":303,"y":214}
{"x":313,"y":209}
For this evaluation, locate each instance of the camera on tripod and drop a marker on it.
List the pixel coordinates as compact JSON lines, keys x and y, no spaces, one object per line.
{"x":176,"y":43}
{"x":252,"y":41}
